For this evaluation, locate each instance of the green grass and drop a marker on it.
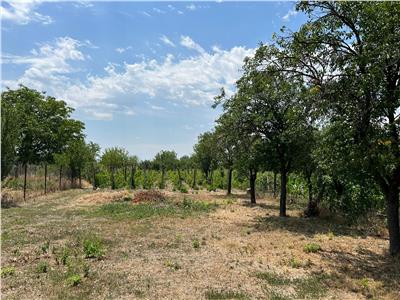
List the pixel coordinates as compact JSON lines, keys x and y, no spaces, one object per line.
{"x":126,"y":210}
{"x":215,"y":294}
{"x":93,"y":247}
{"x":312,"y":287}
{"x":312,"y":248}
{"x":7,"y":271}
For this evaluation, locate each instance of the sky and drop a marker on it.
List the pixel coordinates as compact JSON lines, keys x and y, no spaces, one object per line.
{"x":140,"y":75}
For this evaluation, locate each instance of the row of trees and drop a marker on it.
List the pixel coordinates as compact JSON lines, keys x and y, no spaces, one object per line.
{"x":322,"y":102}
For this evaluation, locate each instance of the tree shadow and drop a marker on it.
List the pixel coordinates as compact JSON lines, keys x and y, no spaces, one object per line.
{"x":305,"y":226}
{"x":365,"y":264}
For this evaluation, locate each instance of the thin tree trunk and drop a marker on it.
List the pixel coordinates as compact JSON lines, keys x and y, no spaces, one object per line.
{"x":125,"y":173}
{"x":253,"y":177}
{"x":16,"y":171}
{"x":25,"y":171}
{"x":59,"y":180}
{"x":194,"y":178}
{"x":80,"y":178}
{"x":282,"y":204}
{"x":229,"y":192}
{"x":94,"y":178}
{"x":392,"y":204}
{"x":112,"y":179}
{"x":45,"y":178}
{"x":275,"y":185}
{"x":132,"y":181}
{"x":162,"y":185}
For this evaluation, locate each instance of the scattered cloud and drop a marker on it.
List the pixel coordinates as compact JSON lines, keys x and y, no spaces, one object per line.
{"x":122,"y":50}
{"x":191,"y":7}
{"x":290,"y":13}
{"x":167,"y":41}
{"x":190,"y":81}
{"x":159,"y":11}
{"x":23,"y":12}
{"x":187,"y":42}
{"x":145,"y":14}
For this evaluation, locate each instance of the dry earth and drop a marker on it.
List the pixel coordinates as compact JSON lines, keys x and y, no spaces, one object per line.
{"x":233,"y":251}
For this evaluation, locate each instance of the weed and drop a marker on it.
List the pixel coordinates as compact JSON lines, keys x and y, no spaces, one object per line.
{"x":173,"y":265}
{"x":74,"y":280}
{"x":183,"y":190}
{"x":7,"y":271}
{"x":93,"y":248}
{"x":45,"y":247}
{"x":272,"y":278}
{"x":221,"y":294}
{"x":196,"y":244}
{"x":42,"y":267}
{"x":295,"y":263}
{"x":312,"y":248}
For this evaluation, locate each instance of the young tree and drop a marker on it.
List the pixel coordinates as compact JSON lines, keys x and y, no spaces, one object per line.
{"x":165,"y":161}
{"x":112,"y":159}
{"x":205,"y":154}
{"x":133,"y":162}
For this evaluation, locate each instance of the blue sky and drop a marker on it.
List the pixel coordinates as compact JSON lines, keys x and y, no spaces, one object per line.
{"x":141,"y":75}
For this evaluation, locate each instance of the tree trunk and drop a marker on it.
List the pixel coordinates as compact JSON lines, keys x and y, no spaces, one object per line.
{"x":132,"y":181}
{"x":229,"y":182}
{"x":253,"y":177}
{"x":45,"y":178}
{"x":112,"y":179}
{"x":162,"y":185}
{"x":80,"y":178}
{"x":16,"y":171}
{"x":94,"y":178}
{"x":125,"y":175}
{"x":179,"y":178}
{"x":275,"y":185}
{"x":194,"y":178}
{"x":282,"y":204}
{"x":59,"y":179}
{"x":25,"y":171}
{"x":392,"y":208}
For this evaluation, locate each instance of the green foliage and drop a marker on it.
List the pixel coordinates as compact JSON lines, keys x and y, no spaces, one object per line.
{"x":7,"y":271}
{"x":225,"y":294}
{"x":312,"y":248}
{"x":93,"y":247}
{"x":42,"y":267}
{"x":196,"y":244}
{"x":74,"y":280}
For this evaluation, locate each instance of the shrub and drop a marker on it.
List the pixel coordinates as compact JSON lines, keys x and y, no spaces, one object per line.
{"x":312,"y":248}
{"x":93,"y":248}
{"x":184,"y":190}
{"x":149,"y":196}
{"x":42,"y":267}
{"x":196,"y":244}
{"x":7,"y":271}
{"x":74,"y":280}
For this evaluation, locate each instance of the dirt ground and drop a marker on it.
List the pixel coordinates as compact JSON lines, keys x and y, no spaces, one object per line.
{"x":233,"y":251}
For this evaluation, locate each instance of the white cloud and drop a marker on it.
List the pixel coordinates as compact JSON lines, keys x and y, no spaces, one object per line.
{"x":191,"y":7}
{"x":167,"y":41}
{"x":290,"y":13}
{"x":159,"y":11}
{"x":190,"y":81}
{"x":145,"y":14}
{"x":23,"y":12}
{"x":187,"y":42}
{"x":122,"y":50}
{"x":156,"y":107}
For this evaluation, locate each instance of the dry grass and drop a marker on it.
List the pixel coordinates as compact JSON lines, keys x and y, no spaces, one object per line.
{"x":236,"y":251}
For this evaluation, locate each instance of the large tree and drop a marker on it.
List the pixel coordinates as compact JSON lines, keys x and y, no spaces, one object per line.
{"x":113,"y":159}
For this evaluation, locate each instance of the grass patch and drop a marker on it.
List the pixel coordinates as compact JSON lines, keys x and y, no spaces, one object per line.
{"x":312,"y":287}
{"x":42,"y":267}
{"x":126,"y":210}
{"x":7,"y":271}
{"x":312,"y":248}
{"x":222,"y":294}
{"x":74,"y":280}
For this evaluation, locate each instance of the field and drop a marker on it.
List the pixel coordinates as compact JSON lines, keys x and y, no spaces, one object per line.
{"x":83,"y":244}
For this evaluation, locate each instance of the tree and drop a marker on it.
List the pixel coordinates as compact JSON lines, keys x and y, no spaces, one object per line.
{"x":348,"y":52}
{"x":112,"y":159}
{"x":93,"y":151}
{"x":77,"y":153}
{"x":133,"y":162}
{"x":205,"y":154}
{"x":61,"y":160}
{"x":145,"y":165}
{"x":164,"y":161}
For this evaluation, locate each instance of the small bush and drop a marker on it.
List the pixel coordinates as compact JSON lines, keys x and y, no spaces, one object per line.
{"x":45,"y":247}
{"x":43,"y":267}
{"x":74,"y":280}
{"x":312,"y":248}
{"x":295,"y":263}
{"x":7,"y":271}
{"x":173,"y":265}
{"x":196,"y":244}
{"x":149,"y":196}
{"x":93,"y":248}
{"x":184,"y":190}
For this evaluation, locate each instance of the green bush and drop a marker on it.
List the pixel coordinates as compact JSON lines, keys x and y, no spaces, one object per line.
{"x":7,"y":271}
{"x":93,"y":248}
{"x":43,"y":267}
{"x":74,"y":280}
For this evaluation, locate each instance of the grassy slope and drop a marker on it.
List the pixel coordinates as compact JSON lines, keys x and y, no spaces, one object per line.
{"x":60,"y":247}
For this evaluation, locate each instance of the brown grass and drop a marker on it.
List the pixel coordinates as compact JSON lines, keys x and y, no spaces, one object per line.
{"x":207,"y":255}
